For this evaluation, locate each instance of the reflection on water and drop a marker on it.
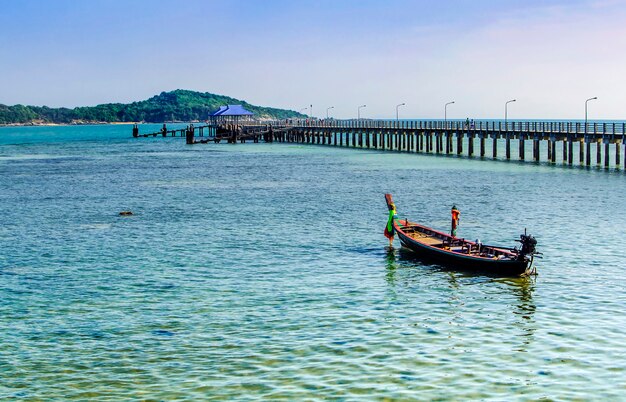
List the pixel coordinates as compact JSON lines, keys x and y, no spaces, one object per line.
{"x":403,"y":268}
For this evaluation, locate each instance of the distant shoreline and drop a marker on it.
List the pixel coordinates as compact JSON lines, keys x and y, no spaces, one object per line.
{"x":90,"y":123}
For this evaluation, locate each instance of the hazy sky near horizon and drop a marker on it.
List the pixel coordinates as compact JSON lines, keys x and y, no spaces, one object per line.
{"x":549,"y":55}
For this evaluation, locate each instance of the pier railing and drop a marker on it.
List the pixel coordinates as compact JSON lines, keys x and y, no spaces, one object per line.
{"x":460,"y":125}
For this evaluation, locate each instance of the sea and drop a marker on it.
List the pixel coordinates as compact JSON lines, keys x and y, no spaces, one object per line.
{"x":260,"y":272}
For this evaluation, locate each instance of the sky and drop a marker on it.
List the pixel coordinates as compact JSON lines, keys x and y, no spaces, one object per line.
{"x":548,"y":55}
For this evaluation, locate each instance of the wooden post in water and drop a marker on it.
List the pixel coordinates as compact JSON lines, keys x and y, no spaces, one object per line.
{"x":189,"y":134}
{"x":470,"y":144}
{"x":459,"y":143}
{"x":537,"y":143}
{"x":617,"y":161}
{"x":588,"y":146}
{"x":606,"y":152}
{"x":564,"y":149}
{"x":598,"y":153}
{"x":522,"y":151}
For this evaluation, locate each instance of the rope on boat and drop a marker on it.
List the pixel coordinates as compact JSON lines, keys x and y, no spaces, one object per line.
{"x":531,"y":270}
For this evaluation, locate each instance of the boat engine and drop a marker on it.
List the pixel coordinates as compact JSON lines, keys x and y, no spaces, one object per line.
{"x":529,"y":244}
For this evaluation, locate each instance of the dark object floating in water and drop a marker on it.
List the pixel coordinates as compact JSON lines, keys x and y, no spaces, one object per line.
{"x":126,"y":213}
{"x":443,"y":248}
{"x":162,"y":332}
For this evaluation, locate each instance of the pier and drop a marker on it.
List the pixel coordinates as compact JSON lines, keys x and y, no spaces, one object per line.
{"x":562,"y":142}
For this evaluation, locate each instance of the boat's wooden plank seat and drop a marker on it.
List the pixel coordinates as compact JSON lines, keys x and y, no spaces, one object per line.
{"x":431,"y":241}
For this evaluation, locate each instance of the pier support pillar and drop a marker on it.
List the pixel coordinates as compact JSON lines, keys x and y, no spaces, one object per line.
{"x":522,"y":151}
{"x":482,"y":145}
{"x":588,"y":157}
{"x":581,"y":152}
{"x":617,"y":148}
{"x":508,"y":147}
{"x":537,"y":152}
{"x":189,"y":137}
{"x":495,"y":146}
{"x":550,"y":150}
{"x":459,"y":143}
{"x":606,"y":153}
{"x":571,"y":151}
{"x":598,"y":153}
{"x":470,"y":145}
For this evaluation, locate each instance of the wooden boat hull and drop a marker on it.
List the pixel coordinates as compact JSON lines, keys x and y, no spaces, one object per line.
{"x":463,"y":262}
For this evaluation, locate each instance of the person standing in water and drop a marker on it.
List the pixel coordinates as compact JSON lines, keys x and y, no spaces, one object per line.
{"x":455,"y":220}
{"x":389,"y":231}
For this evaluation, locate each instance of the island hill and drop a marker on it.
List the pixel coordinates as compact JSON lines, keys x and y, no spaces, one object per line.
{"x":178,"y":105}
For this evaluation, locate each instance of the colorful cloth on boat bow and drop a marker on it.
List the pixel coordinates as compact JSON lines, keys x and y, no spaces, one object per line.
{"x":389,"y":231}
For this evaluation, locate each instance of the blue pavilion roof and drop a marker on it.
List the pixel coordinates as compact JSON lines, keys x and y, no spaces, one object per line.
{"x":232,"y":110}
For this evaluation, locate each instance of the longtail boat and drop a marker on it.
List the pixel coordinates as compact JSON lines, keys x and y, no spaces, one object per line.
{"x":454,"y":252}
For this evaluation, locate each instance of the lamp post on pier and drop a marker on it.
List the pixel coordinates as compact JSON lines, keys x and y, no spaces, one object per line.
{"x":445,"y":114}
{"x":311,"y":111}
{"x":327,"y":109}
{"x":506,"y":115}
{"x":397,"y":106}
{"x":358,"y":111}
{"x":594,"y":98}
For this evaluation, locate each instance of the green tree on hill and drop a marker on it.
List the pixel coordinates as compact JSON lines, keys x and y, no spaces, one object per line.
{"x":178,"y":105}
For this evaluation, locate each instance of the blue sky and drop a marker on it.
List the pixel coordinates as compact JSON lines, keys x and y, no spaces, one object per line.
{"x":549,"y":55}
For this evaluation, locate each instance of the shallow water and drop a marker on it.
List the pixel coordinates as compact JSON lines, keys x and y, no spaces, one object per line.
{"x":259,"y":271}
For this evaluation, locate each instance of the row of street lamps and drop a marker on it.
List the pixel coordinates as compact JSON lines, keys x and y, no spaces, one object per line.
{"x":445,"y":110}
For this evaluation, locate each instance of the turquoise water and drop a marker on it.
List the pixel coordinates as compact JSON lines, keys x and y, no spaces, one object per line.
{"x":259,"y":271}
